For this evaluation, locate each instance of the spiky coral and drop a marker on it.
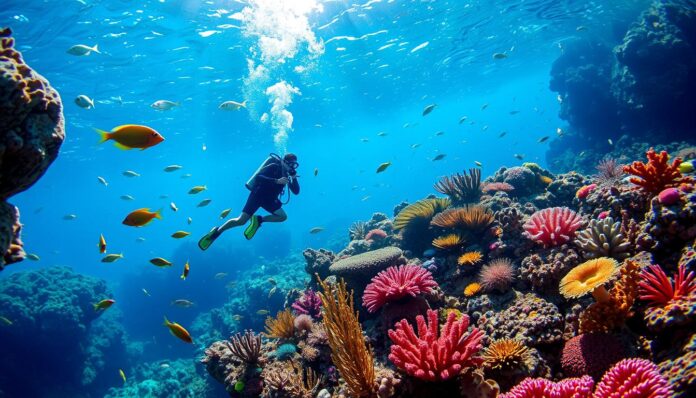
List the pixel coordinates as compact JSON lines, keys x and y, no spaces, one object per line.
{"x":657,"y":174}
{"x":470,"y":258}
{"x":246,"y":347}
{"x":431,"y":355}
{"x":506,"y":354}
{"x":603,"y":238}
{"x":633,"y":378}
{"x":472,"y":219}
{"x":349,"y":352}
{"x":497,"y":275}
{"x":282,"y":326}
{"x":395,"y":283}
{"x":552,"y":226}
{"x":420,"y":212}
{"x":658,"y":290}
{"x":609,"y":172}
{"x":471,"y":289}
{"x":448,"y":242}
{"x":543,"y":388}
{"x":461,"y":188}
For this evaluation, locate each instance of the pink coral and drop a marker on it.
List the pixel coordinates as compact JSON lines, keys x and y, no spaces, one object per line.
{"x":584,"y":191}
{"x":633,"y":378}
{"x":397,"y":282}
{"x":497,"y":187}
{"x":376,"y":234}
{"x":657,"y":290}
{"x":580,"y":355}
{"x":303,"y":323}
{"x":309,"y":303}
{"x":543,"y":388}
{"x":432,"y":357}
{"x":553,"y":226}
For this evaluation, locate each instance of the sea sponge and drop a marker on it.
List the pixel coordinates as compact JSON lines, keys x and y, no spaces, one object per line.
{"x":591,"y":354}
{"x":590,"y":276}
{"x":497,"y":275}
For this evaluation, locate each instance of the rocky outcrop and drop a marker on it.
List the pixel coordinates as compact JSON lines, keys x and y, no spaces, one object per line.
{"x":31,"y":132}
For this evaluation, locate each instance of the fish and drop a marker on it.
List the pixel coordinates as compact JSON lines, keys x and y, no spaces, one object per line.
{"x":316,"y":171}
{"x":232,"y":105}
{"x":484,"y":106}
{"x":414,"y":146}
{"x":220,"y":275}
{"x":130,"y":136}
{"x":225,"y":213}
{"x":187,"y":175}
{"x":172,"y":167}
{"x":164,"y":105}
{"x":33,"y":257}
{"x":141,"y":217}
{"x":189,"y":220}
{"x":316,"y":230}
{"x":383,"y":167}
{"x":499,"y":56}
{"x":364,"y":198}
{"x":197,"y":189}
{"x":165,"y":196}
{"x":164,"y":366}
{"x":502,"y":134}
{"x":145,"y":292}
{"x":5,"y":320}
{"x":559,"y":98}
{"x":104,"y":304}
{"x":477,"y":163}
{"x":272,"y":291}
{"x":180,"y":234}
{"x":130,"y":173}
{"x":178,"y":331}
{"x":420,"y":46}
{"x":103,"y":181}
{"x":580,"y":28}
{"x":140,"y":239}
{"x":181,"y":303}
{"x":364,"y":140}
{"x":69,"y":217}
{"x":237,"y":317}
{"x":439,"y":157}
{"x":543,"y":139}
{"x":272,"y":281}
{"x":127,"y":197}
{"x":187,"y":268}
{"x":381,"y":134}
{"x":172,"y":206}
{"x":81,"y":49}
{"x":123,"y":374}
{"x":428,"y":109}
{"x":84,"y":101}
{"x":204,"y":203}
{"x":110,"y":258}
{"x":440,"y":133}
{"x":514,"y":112}
{"x":559,"y":132}
{"x":610,"y":141}
{"x":160,"y":262}
{"x":231,"y":285}
{"x":263,"y":312}
{"x":462,"y":119}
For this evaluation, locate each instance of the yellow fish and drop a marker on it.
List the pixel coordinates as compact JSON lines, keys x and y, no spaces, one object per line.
{"x":197,"y":189}
{"x":225,"y":213}
{"x":187,"y":268}
{"x":383,"y":167}
{"x":129,"y":136}
{"x":160,"y":262}
{"x":180,"y":234}
{"x":110,"y":258}
{"x":123,"y":374}
{"x":178,"y":330}
{"x":102,"y":244}
{"x":141,"y":217}
{"x":104,"y":304}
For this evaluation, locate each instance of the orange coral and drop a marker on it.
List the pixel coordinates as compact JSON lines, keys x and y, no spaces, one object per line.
{"x":609,"y":315}
{"x":470,"y":258}
{"x":448,"y":242}
{"x":506,"y":354}
{"x":471,"y":289}
{"x":474,"y":219}
{"x":657,"y":174}
{"x":282,"y":326}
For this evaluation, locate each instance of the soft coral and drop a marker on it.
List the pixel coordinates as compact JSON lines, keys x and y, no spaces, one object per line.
{"x":657,"y":289}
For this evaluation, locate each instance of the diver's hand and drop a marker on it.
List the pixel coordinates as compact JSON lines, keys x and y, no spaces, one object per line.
{"x":282,"y":181}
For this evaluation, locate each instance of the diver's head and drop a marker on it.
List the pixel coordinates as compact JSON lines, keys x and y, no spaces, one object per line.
{"x":290,"y":163}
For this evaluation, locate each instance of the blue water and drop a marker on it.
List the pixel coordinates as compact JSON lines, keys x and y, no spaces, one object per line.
{"x":373,"y":72}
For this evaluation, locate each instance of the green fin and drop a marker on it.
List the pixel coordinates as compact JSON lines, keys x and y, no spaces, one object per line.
{"x":253,"y":226}
{"x":207,"y":240}
{"x":121,"y":146}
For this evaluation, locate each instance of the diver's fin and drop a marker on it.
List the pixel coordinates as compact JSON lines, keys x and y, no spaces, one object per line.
{"x":208,"y":239}
{"x":253,"y":226}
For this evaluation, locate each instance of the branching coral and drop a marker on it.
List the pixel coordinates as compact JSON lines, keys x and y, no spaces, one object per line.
{"x":395,"y":283}
{"x":470,"y":258}
{"x":553,"y":226}
{"x":282,"y":326}
{"x":448,"y":242}
{"x":603,"y":238}
{"x":472,"y":219}
{"x":657,"y":174}
{"x":497,"y":275}
{"x":309,"y":303}
{"x":461,"y":188}
{"x":432,"y":355}
{"x":420,"y":213}
{"x":506,"y":354}
{"x":658,"y":290}
{"x":246,"y":347}
{"x":349,"y":352}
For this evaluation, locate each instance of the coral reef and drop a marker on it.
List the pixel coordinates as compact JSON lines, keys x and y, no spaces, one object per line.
{"x":33,"y":128}
{"x":309,"y":304}
{"x":529,"y":319}
{"x":395,"y":283}
{"x":657,"y":174}
{"x":359,"y":269}
{"x":162,"y":379}
{"x":553,"y":226}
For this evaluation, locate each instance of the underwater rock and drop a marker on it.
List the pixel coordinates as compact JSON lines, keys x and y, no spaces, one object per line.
{"x":318,"y":262}
{"x":669,"y":228}
{"x":32,"y":131}
{"x":358,"y":270}
{"x":10,"y":235}
{"x":545,"y":268}
{"x":561,"y":191}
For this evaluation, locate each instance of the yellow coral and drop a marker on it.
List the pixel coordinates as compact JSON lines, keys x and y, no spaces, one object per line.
{"x":282,"y":326}
{"x":421,"y":211}
{"x":506,"y":354}
{"x":447,"y":311}
{"x":472,"y":289}
{"x":470,"y":258}
{"x":448,"y":242}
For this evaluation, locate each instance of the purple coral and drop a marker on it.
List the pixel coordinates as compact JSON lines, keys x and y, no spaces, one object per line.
{"x":308,"y":304}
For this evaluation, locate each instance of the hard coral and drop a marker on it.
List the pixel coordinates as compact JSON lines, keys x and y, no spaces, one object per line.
{"x":395,"y":283}
{"x":434,"y":355}
{"x":657,"y":174}
{"x":553,"y":226}
{"x":591,"y":354}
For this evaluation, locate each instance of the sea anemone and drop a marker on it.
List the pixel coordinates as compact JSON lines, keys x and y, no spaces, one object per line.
{"x":553,"y":226}
{"x":591,"y":354}
{"x":657,"y":289}
{"x":472,"y":289}
{"x":590,"y":276}
{"x":282,"y":326}
{"x":420,"y":212}
{"x":506,"y":354}
{"x":470,"y":258}
{"x":497,"y":275}
{"x":448,"y":242}
{"x":633,"y":378}
{"x":357,"y":230}
{"x":397,"y":282}
{"x":461,"y":188}
{"x":473,"y":219}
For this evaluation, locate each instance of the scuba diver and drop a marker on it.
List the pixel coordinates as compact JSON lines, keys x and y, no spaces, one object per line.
{"x":267,"y":186}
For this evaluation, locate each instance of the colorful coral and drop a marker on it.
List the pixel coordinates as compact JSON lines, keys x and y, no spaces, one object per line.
{"x":461,"y":188}
{"x":472,"y":289}
{"x":497,"y":275}
{"x":657,"y":174}
{"x":246,"y":347}
{"x":633,"y":378}
{"x":657,"y":289}
{"x":591,"y":354}
{"x":448,"y":242}
{"x":471,"y":219}
{"x":470,"y":258}
{"x":309,"y":303}
{"x":603,"y":238}
{"x":395,"y":283}
{"x":506,"y":354}
{"x":589,"y":277}
{"x":282,"y":326}
{"x":553,"y":226}
{"x":543,"y":388}
{"x":433,"y":354}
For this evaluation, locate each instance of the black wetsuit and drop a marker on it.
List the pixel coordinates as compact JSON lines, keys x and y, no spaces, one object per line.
{"x":266,"y":191}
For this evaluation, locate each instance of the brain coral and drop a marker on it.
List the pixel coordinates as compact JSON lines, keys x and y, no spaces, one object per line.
{"x":366,"y":265}
{"x":530,"y":319}
{"x":591,"y":354}
{"x":32,"y":129}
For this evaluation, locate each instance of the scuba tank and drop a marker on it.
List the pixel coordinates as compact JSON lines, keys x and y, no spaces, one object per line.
{"x":272,"y":157}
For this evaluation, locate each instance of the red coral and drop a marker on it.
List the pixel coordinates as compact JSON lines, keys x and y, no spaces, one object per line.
{"x":553,"y":226}
{"x":429,"y":357}
{"x":633,"y":378}
{"x":591,"y":354}
{"x":657,"y":289}
{"x":397,"y":282}
{"x":376,"y":234}
{"x":657,"y":174}
{"x":543,"y":388}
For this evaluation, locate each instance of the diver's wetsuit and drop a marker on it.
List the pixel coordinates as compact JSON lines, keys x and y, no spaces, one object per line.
{"x":266,"y":191}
